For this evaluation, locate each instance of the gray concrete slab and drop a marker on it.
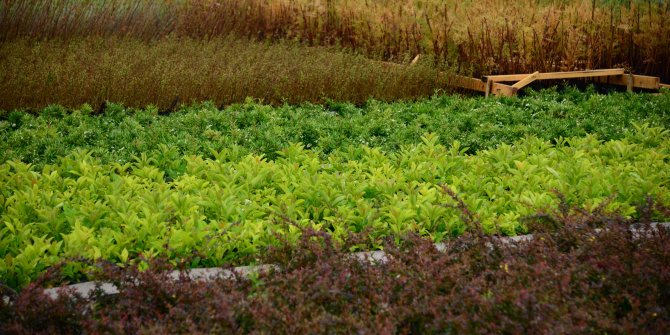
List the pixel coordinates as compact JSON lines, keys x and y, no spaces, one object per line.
{"x":378,"y":256}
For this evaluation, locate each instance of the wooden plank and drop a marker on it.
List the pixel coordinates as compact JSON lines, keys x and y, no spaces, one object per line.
{"x":608,"y":76}
{"x":525,"y":81}
{"x":503,"y":90}
{"x":629,"y":83}
{"x":488,"y":88}
{"x":467,"y":83}
{"x":580,"y":74}
{"x":506,"y":77}
{"x":646,"y":82}
{"x":558,"y":75}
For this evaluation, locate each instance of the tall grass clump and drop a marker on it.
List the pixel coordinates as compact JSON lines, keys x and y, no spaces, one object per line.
{"x":181,"y":70}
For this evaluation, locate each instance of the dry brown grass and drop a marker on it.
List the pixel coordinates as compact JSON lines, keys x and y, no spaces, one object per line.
{"x":477,"y":37}
{"x":224,"y":70}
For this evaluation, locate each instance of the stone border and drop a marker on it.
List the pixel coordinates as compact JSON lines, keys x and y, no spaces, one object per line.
{"x":208,"y":274}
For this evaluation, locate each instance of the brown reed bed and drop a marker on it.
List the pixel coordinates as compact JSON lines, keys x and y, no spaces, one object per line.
{"x":475,"y":37}
{"x":224,"y":70}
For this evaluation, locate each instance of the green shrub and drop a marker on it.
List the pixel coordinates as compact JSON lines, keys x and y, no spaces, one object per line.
{"x":230,"y":208}
{"x":476,"y":123}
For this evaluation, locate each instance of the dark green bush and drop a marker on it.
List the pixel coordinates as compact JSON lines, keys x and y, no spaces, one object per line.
{"x":477,"y":123}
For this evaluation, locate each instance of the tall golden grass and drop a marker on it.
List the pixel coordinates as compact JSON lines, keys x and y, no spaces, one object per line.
{"x":475,"y":37}
{"x":224,"y":70}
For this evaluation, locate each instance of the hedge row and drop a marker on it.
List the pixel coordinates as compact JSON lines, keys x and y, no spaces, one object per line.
{"x":232,"y":207}
{"x":119,"y":134}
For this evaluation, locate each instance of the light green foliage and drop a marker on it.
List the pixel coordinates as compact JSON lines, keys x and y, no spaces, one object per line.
{"x":234,"y":205}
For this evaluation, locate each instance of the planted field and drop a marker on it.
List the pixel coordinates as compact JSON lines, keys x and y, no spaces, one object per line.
{"x":232,"y":206}
{"x":145,"y":145}
{"x":119,"y":134}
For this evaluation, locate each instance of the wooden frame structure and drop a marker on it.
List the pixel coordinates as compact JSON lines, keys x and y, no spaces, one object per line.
{"x":498,"y":84}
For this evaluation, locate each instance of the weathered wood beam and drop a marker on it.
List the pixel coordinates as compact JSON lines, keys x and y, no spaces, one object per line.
{"x":525,"y":81}
{"x":467,"y":83}
{"x":646,"y":82}
{"x":491,"y":84}
{"x":415,"y":60}
{"x":503,"y":90}
{"x":558,"y":75}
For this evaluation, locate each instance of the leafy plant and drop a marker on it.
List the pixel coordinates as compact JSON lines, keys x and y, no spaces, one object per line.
{"x":203,"y":129}
{"x":230,"y":209}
